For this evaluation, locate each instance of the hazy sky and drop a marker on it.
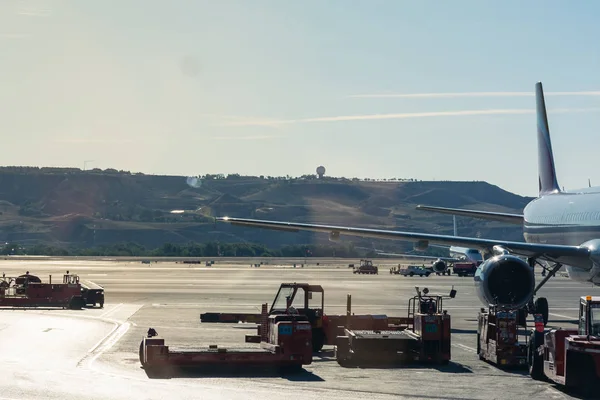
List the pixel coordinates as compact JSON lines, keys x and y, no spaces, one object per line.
{"x":279,"y":87}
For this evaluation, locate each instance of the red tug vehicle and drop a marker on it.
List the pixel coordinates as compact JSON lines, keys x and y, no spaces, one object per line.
{"x":569,"y":357}
{"x":29,"y":291}
{"x":423,"y":336}
{"x":307,"y":300}
{"x":500,"y":340}
{"x":286,"y":335}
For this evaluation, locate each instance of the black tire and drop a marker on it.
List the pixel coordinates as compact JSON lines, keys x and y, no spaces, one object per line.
{"x":522,"y":317}
{"x":318,"y":339}
{"x":411,"y":274}
{"x":141,"y":353}
{"x":427,"y":275}
{"x":541,"y":307}
{"x":534,"y":360}
{"x":76,"y":303}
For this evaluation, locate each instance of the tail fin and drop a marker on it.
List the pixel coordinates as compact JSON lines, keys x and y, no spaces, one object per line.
{"x":546,"y":170}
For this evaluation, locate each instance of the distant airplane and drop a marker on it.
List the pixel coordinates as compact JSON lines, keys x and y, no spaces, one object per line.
{"x":559,"y":227}
{"x":440,"y":264}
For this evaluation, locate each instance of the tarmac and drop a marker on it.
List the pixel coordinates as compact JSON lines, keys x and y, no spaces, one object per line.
{"x":67,"y":354}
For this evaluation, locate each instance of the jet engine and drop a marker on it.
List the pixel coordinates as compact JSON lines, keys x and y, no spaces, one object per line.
{"x":439,"y":266}
{"x":505,"y":280}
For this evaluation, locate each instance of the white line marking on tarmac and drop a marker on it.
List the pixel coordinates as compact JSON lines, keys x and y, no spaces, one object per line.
{"x":94,"y":347}
{"x":467,"y":348}
{"x":562,"y":316}
{"x":112,"y":310}
{"x":111,"y":339}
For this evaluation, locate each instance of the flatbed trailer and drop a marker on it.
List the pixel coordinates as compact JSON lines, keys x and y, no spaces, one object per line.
{"x":501,"y":340}
{"x":285,"y":342}
{"x":569,"y":357}
{"x":28,"y":291}
{"x":423,"y":336}
{"x":308,"y":300}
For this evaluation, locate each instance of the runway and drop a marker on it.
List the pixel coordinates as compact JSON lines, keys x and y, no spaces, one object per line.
{"x":93,"y":352}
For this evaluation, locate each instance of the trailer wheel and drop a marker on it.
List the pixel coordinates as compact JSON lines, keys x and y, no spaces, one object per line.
{"x":76,"y":303}
{"x":141,"y":353}
{"x":535,"y":361}
{"x":318,"y":339}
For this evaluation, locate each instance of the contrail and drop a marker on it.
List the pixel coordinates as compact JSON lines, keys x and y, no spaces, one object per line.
{"x":271,"y":122}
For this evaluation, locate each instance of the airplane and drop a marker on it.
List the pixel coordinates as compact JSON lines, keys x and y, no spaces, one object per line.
{"x":440,"y":264}
{"x":559,"y":227}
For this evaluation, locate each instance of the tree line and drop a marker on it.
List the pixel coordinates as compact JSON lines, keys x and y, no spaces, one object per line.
{"x":208,"y":249}
{"x":206,"y":177}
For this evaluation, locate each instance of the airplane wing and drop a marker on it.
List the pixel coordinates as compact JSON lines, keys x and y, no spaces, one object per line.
{"x":550,"y":252}
{"x":419,"y":257}
{"x":489,"y":215}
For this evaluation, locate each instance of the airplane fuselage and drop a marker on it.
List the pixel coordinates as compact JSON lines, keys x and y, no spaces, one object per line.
{"x":565,"y":218}
{"x":465,"y":253}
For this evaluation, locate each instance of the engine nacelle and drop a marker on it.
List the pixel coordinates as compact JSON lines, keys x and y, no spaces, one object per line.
{"x":439,"y":266}
{"x":505,"y":280}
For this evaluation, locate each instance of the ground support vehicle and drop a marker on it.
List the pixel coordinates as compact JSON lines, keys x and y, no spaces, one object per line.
{"x":432,"y":270}
{"x":412,"y":270}
{"x":285,"y":342}
{"x":501,"y":337}
{"x":569,"y":357}
{"x":308,"y":300}
{"x":92,"y":293}
{"x":399,"y":270}
{"x":366,"y":267}
{"x":423,"y":336}
{"x":464,"y":268}
{"x":29,"y":291}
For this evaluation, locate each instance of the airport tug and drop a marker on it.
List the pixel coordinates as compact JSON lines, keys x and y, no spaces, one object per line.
{"x":307,"y":300}
{"x":569,"y":357}
{"x":28,"y":291}
{"x":502,"y":337}
{"x":423,"y":336}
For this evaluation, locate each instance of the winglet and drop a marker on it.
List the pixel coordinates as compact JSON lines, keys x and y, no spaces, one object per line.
{"x":546,"y":170}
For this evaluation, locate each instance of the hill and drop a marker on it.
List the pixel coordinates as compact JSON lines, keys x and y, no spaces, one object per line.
{"x":60,"y":206}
